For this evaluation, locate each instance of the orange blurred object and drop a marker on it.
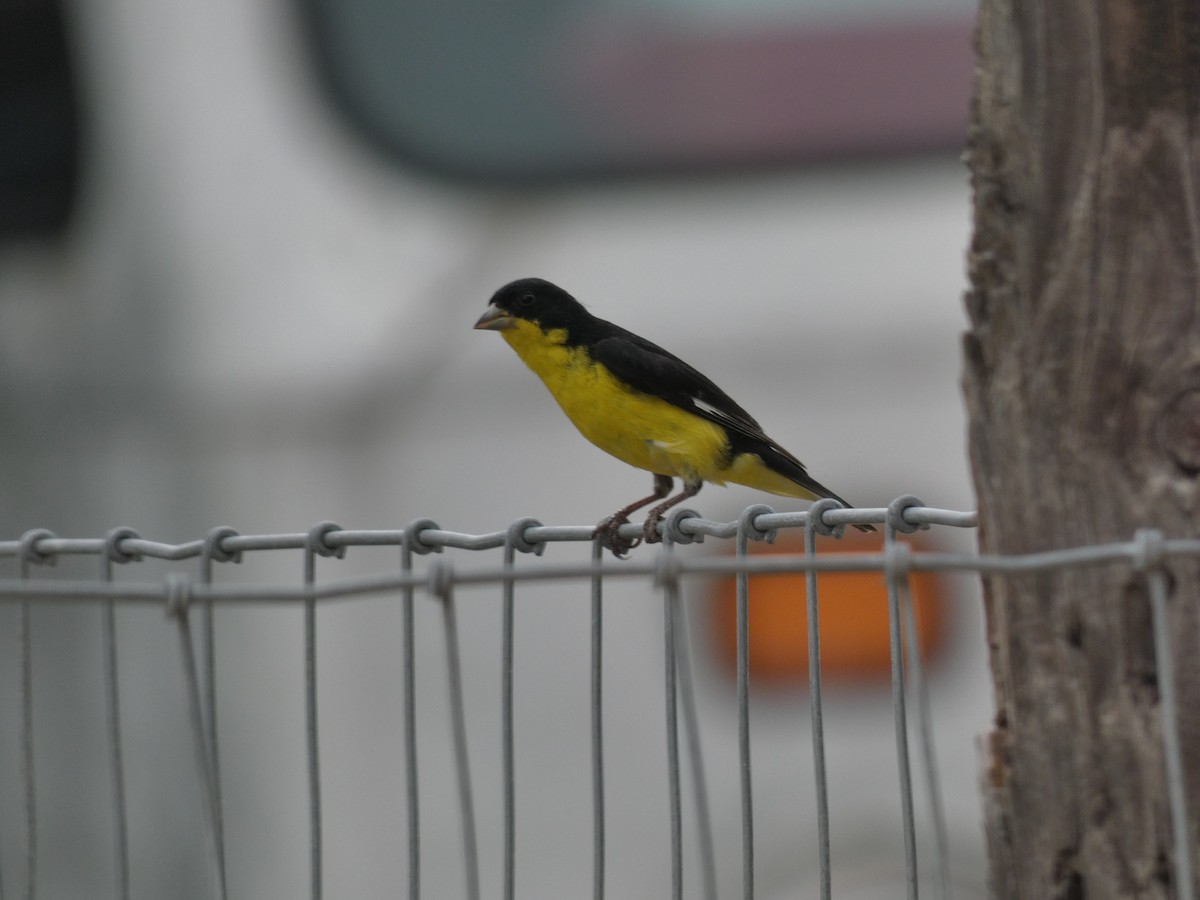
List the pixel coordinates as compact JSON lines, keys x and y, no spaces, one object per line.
{"x":853,"y":617}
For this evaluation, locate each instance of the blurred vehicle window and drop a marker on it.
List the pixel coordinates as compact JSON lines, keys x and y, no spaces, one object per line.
{"x":39,"y":121}
{"x":546,"y":89}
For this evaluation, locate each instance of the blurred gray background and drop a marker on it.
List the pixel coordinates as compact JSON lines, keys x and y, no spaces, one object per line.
{"x":241,"y":250}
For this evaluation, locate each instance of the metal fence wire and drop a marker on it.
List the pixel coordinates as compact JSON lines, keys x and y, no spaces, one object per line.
{"x":192,"y":593}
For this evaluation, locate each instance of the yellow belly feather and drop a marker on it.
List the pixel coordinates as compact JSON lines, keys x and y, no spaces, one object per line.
{"x":640,"y":430}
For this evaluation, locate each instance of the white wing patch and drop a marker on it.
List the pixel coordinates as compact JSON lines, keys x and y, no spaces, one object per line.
{"x":718,"y":415}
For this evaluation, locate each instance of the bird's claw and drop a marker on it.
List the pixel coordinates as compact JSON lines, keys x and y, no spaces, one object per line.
{"x":650,"y":530}
{"x":609,"y":531}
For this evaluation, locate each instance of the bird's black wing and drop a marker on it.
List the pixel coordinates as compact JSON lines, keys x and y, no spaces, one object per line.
{"x":648,"y":368}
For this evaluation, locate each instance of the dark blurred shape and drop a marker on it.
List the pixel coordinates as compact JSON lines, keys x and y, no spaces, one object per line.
{"x":542,"y":90}
{"x":39,"y":120}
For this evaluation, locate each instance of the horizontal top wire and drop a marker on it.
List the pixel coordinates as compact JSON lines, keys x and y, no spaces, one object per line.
{"x":43,"y":545}
{"x":123,"y":545}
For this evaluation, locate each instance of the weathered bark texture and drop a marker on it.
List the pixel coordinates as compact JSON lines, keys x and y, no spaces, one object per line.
{"x":1082,"y":379}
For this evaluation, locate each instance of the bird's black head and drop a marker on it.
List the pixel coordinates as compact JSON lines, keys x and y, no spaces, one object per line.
{"x":534,"y":300}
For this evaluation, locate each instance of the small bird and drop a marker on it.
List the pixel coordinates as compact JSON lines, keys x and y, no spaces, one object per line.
{"x":643,"y":405}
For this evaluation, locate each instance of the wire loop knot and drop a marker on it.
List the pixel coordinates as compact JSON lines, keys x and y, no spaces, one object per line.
{"x":895,"y":514}
{"x":113,"y":550}
{"x":412,"y":536}
{"x":672,"y":527}
{"x":316,"y":544}
{"x":29,"y":547}
{"x":514,"y":537}
{"x":748,"y":529}
{"x":816,"y":517}
{"x":214,"y":547}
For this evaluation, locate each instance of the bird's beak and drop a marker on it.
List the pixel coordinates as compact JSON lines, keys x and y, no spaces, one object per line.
{"x":495,"y":319}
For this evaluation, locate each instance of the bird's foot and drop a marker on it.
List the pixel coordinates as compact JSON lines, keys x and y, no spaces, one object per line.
{"x":608,"y":532}
{"x":650,"y":529}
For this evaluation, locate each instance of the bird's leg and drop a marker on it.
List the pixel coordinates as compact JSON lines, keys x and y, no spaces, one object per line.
{"x":608,"y":528}
{"x":690,"y":489}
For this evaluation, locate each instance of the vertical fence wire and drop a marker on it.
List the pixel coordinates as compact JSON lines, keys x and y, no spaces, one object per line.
{"x":508,"y":591}
{"x":443,"y":587}
{"x":209,"y":675}
{"x":813,"y":616}
{"x":896,"y":556}
{"x":673,"y":790}
{"x":514,"y":540}
{"x":597,"y":716}
{"x":408,"y":654}
{"x":178,"y":603}
{"x":116,"y":761}
{"x":25,"y":639}
{"x":213,"y":552}
{"x":691,"y":729}
{"x":919,"y":686}
{"x":742,"y":621}
{"x":311,"y":733}
{"x":2,"y":893}
{"x":25,"y":655}
{"x":1156,"y":577}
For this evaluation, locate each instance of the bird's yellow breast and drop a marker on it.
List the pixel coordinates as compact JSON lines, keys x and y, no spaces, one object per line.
{"x":635,"y":427}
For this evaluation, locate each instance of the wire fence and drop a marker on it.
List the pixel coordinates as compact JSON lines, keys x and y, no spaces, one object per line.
{"x":187,"y":596}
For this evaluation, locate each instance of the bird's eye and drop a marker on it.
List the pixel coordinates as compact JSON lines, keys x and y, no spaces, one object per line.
{"x":526,"y":300}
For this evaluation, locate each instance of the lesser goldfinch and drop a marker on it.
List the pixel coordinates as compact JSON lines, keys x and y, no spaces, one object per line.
{"x":642,"y":404}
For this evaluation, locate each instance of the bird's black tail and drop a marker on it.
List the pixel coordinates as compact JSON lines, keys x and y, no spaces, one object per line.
{"x":782,"y":462}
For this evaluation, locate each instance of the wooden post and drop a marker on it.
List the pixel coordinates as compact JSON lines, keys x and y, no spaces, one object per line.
{"x":1082,"y":379}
